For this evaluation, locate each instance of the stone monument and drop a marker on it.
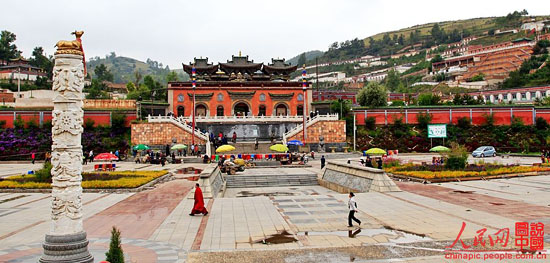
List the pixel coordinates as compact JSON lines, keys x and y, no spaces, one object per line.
{"x":66,"y":241}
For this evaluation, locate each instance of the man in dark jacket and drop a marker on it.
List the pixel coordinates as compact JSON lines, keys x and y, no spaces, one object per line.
{"x":322,"y":162}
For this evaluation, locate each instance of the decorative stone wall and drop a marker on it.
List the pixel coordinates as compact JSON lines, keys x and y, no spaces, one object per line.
{"x":332,"y":132}
{"x":161,"y":134}
{"x":109,"y":104}
{"x":211,"y":182}
{"x":357,"y":178}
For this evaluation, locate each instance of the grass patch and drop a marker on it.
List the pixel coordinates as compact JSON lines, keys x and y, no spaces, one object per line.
{"x":423,"y":173}
{"x":90,"y":180}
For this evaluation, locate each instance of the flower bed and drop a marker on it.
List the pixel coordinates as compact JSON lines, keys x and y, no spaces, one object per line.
{"x":415,"y":172}
{"x":91,"y":180}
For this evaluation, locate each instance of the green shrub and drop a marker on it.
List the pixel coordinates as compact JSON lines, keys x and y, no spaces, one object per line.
{"x":32,"y":124}
{"x":2,"y":124}
{"x":464,"y":123}
{"x":423,"y":119}
{"x":541,"y":124}
{"x":489,"y":119}
{"x":18,"y":123}
{"x":44,"y":175}
{"x":115,"y":253}
{"x":457,"y":158}
{"x":397,"y":103}
{"x":370,"y":123}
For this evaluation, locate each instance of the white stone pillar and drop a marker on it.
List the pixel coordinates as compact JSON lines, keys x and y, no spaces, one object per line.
{"x":66,"y":241}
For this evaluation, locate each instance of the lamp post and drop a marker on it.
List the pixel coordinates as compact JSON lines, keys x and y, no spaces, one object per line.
{"x":304,"y":89}
{"x":194,"y":85}
{"x":18,"y":82}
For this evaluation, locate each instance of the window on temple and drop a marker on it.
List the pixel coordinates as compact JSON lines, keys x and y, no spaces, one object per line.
{"x":220,"y":97}
{"x":180,"y":98}
{"x":181,"y":110}
{"x":219,"y":111}
{"x":300,"y":97}
{"x":300,"y":110}
{"x":262,"y":97}
{"x":200,"y":110}
{"x":261,"y":110}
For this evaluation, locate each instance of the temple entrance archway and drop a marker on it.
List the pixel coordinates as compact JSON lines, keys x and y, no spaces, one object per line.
{"x":261,"y":110}
{"x":200,"y":110}
{"x":241,"y":109}
{"x":219,"y":111}
{"x":181,"y":111}
{"x":281,"y":109}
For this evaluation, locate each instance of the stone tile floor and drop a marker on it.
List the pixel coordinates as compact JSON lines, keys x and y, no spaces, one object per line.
{"x":409,"y":226}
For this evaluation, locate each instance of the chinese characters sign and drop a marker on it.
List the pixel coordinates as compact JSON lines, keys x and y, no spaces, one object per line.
{"x":437,"y":130}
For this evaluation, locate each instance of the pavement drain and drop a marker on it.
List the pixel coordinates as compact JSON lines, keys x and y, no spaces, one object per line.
{"x":289,"y":206}
{"x":304,"y":200}
{"x":283,"y":200}
{"x":333,"y":204}
{"x":303,"y":221}
{"x":311,"y":205}
{"x":321,"y":212}
{"x":296,"y":213}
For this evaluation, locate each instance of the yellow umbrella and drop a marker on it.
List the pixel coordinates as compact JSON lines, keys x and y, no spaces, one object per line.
{"x":279,"y":148}
{"x":225,"y":148}
{"x":375,"y":151}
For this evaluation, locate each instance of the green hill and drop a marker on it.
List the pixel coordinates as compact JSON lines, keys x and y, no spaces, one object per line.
{"x":427,"y":35}
{"x":124,"y":68}
{"x":310,"y":55}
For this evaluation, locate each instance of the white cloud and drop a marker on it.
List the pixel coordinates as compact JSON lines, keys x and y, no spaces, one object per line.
{"x":173,"y":32}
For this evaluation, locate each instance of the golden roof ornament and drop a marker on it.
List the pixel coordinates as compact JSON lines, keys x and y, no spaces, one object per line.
{"x":71,"y":47}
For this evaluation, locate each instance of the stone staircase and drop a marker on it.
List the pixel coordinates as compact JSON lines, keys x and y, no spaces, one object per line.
{"x":249,"y":181}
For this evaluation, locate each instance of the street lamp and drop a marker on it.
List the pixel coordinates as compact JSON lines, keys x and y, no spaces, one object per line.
{"x":194,"y":85}
{"x":304,"y":89}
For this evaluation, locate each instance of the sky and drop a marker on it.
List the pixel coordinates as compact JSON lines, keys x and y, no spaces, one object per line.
{"x":176,"y":31}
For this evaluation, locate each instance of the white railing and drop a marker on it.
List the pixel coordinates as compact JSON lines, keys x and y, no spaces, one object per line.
{"x":279,"y":118}
{"x":182,"y":124}
{"x":315,"y":119}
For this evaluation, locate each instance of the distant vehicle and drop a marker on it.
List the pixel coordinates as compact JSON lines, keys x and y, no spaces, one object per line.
{"x":484,"y":151}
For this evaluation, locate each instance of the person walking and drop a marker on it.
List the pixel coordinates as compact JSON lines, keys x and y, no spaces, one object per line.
{"x":117,"y":154}
{"x":379,"y":162}
{"x":234,"y":138}
{"x":192,"y":149}
{"x":322,"y":162}
{"x":198,"y":207}
{"x":33,"y":157}
{"x":85,"y":158}
{"x":256,"y":144}
{"x":352,"y":205}
{"x":91,"y":156}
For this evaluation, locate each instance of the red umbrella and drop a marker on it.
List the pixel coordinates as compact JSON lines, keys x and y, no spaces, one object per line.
{"x":105,"y":157}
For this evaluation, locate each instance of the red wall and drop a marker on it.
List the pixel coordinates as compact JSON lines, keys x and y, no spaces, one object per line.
{"x":102,"y":118}
{"x":502,"y":115}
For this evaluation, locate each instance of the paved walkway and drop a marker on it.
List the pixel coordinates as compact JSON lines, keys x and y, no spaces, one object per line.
{"x":283,"y":224}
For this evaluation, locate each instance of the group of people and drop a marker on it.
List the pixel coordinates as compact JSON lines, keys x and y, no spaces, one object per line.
{"x":221,"y":139}
{"x":438,"y":160}
{"x":368,"y":162}
{"x":152,"y":157}
{"x":545,"y":156}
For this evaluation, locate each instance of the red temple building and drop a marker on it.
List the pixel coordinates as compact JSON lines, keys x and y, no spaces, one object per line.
{"x":239,"y":87}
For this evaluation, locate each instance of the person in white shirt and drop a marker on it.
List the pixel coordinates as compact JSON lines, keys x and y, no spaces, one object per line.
{"x":352,"y":205}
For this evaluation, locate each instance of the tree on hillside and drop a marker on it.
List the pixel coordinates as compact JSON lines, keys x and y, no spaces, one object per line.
{"x":438,"y":34}
{"x":96,"y":90}
{"x":102,"y":73}
{"x":38,"y":59}
{"x":172,"y":76}
{"x":301,"y":60}
{"x":159,"y":93}
{"x":8,"y":50}
{"x":137,"y":77}
{"x":392,"y":80}
{"x":373,"y":95}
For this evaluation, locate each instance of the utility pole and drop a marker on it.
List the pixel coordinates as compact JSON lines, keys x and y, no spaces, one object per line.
{"x":317,"y":78}
{"x":18,"y":82}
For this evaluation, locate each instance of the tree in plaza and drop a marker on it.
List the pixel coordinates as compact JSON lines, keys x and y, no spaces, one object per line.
{"x":8,"y":50}
{"x":373,"y":95}
{"x":392,"y":80}
{"x":301,"y":59}
{"x":115,"y":253}
{"x":102,"y":73}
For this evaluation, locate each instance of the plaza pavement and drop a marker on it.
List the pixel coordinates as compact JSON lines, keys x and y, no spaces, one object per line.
{"x":414,"y":225}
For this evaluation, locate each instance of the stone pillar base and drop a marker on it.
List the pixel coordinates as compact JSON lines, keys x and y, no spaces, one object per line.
{"x":66,"y":248}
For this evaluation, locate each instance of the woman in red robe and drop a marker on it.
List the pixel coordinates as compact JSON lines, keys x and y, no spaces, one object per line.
{"x":198,"y":207}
